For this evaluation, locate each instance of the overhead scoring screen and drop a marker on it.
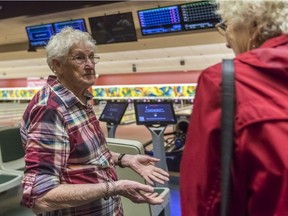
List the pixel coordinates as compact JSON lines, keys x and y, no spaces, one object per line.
{"x":114,"y":28}
{"x":76,"y":24}
{"x":199,"y":15}
{"x":39,"y":35}
{"x":160,"y":20}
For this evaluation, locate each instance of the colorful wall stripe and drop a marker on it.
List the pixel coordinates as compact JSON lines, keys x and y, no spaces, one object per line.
{"x":180,"y":91}
{"x":171,"y":91}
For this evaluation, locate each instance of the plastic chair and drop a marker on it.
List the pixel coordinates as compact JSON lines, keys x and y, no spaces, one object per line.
{"x":11,"y":150}
{"x":130,"y":208}
{"x":9,"y":180}
{"x":11,"y":194}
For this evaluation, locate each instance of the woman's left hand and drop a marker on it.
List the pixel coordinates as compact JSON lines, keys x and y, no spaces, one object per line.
{"x":144,"y":165}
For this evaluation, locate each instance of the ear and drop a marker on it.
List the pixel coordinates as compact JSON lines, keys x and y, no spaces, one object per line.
{"x":57,"y":65}
{"x":251,"y":44}
{"x":254,"y":36}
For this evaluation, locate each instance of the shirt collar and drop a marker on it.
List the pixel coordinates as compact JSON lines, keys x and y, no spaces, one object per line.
{"x":67,"y":96}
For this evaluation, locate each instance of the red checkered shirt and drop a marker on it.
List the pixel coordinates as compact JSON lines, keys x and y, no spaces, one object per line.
{"x":64,"y":144}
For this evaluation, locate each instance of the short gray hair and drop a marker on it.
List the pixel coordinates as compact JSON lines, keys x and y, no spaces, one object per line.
{"x":271,"y":16}
{"x":60,"y":44}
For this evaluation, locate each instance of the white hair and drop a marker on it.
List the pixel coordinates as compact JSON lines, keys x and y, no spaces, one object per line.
{"x":271,"y":17}
{"x":60,"y":44}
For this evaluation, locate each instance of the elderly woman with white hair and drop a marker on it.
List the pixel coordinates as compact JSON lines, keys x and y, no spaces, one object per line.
{"x":257,"y":32}
{"x":69,"y":168}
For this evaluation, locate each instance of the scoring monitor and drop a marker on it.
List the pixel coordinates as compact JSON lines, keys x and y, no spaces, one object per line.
{"x":113,"y":112}
{"x":154,"y":113}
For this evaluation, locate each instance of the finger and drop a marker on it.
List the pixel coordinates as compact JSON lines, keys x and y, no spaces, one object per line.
{"x":153,"y":176}
{"x":163,"y":172}
{"x":151,"y":198}
{"x":144,"y":188}
{"x":153,"y":195}
{"x":153,"y":159}
{"x":155,"y":200}
{"x":160,"y":176}
{"x":148,"y":195}
{"x":148,"y":180}
{"x":151,"y":201}
{"x":155,"y":179}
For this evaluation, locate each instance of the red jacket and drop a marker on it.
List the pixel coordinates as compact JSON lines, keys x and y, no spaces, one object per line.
{"x":260,"y":163}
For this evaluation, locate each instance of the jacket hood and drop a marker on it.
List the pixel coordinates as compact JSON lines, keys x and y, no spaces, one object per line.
{"x":272,"y":56}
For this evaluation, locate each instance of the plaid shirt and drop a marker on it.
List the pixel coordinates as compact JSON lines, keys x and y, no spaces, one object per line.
{"x":64,"y":144}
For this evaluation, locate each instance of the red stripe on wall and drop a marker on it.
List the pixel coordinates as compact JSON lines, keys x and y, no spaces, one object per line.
{"x":149,"y":78}
{"x":126,"y":79}
{"x":11,"y":83}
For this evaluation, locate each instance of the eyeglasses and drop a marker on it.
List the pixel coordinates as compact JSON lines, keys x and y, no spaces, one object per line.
{"x":221,"y":28}
{"x":81,"y":59}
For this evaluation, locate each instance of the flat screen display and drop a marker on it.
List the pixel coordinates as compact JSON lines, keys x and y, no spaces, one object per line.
{"x":199,"y":15}
{"x":160,"y":20}
{"x":76,"y":24}
{"x":154,"y":113}
{"x":113,"y":112}
{"x":115,"y":28}
{"x":39,"y":35}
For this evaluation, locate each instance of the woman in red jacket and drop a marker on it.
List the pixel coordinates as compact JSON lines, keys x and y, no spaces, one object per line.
{"x":257,"y":31}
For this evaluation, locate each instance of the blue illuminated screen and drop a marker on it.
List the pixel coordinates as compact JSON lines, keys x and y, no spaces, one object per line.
{"x":160,"y":20}
{"x":199,"y":15}
{"x":76,"y":24}
{"x":39,"y":35}
{"x":113,"y":112}
{"x":149,"y":113}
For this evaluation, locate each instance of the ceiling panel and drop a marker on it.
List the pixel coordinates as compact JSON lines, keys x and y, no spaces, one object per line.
{"x":11,"y":9}
{"x":199,"y":49}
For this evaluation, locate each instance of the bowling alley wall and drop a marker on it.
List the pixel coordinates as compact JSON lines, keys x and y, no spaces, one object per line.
{"x":164,"y":85}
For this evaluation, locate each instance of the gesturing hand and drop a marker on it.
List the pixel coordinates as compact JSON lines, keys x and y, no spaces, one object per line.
{"x":138,"y":193}
{"x":144,"y":165}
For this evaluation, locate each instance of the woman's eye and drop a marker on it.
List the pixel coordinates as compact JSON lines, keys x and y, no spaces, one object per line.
{"x":80,"y":58}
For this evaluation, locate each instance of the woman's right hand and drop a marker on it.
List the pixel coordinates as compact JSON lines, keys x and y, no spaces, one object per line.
{"x":137,"y":192}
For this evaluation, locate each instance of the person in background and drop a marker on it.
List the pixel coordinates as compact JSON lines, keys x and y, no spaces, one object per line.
{"x":69,"y":169}
{"x":257,"y":32}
